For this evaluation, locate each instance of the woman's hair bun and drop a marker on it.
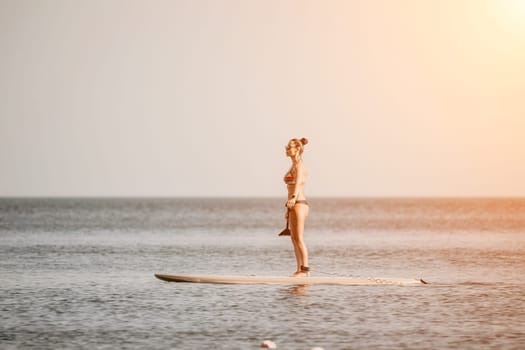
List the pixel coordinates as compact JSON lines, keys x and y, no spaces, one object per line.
{"x":304,"y":141}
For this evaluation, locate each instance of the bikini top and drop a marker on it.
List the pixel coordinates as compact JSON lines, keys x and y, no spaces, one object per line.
{"x":289,"y":178}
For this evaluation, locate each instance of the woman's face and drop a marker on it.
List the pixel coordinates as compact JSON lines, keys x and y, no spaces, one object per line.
{"x":292,"y":148}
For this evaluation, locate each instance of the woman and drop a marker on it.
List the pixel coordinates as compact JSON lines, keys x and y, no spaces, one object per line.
{"x":297,"y":206}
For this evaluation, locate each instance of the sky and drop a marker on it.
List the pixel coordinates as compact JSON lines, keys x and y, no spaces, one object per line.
{"x":398,"y":98}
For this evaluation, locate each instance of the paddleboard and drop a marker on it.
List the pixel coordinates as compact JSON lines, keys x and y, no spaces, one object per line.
{"x":350,"y":281}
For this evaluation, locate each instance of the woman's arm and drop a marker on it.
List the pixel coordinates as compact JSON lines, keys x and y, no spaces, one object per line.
{"x":299,"y":179}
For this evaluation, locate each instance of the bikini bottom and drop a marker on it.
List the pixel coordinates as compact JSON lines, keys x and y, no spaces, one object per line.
{"x":300,"y":201}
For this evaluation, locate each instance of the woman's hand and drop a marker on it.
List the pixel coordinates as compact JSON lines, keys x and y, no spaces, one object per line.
{"x":290,"y":203}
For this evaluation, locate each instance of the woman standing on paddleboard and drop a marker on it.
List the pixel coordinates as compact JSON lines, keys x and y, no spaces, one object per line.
{"x":297,"y":206}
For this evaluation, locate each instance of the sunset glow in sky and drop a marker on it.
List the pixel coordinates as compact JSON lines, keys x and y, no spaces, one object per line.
{"x":198,"y":98}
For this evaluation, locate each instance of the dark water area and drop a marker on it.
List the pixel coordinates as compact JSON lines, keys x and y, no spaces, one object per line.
{"x":78,"y":273}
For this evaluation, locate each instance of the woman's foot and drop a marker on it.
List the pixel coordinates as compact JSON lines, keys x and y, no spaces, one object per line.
{"x":300,"y":274}
{"x":303,"y":272}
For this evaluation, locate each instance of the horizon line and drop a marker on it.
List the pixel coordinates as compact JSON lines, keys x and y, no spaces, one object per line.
{"x":265,"y":197}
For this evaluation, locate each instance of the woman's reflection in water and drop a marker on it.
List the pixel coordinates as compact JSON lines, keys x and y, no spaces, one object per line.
{"x":297,"y":290}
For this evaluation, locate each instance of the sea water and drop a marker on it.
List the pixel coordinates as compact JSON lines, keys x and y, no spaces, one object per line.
{"x":78,"y":274}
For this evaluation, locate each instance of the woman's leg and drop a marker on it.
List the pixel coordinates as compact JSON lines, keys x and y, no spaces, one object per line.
{"x":297,"y":218}
{"x":293,"y":224}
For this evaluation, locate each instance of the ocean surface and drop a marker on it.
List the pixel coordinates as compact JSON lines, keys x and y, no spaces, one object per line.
{"x":78,"y":274}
